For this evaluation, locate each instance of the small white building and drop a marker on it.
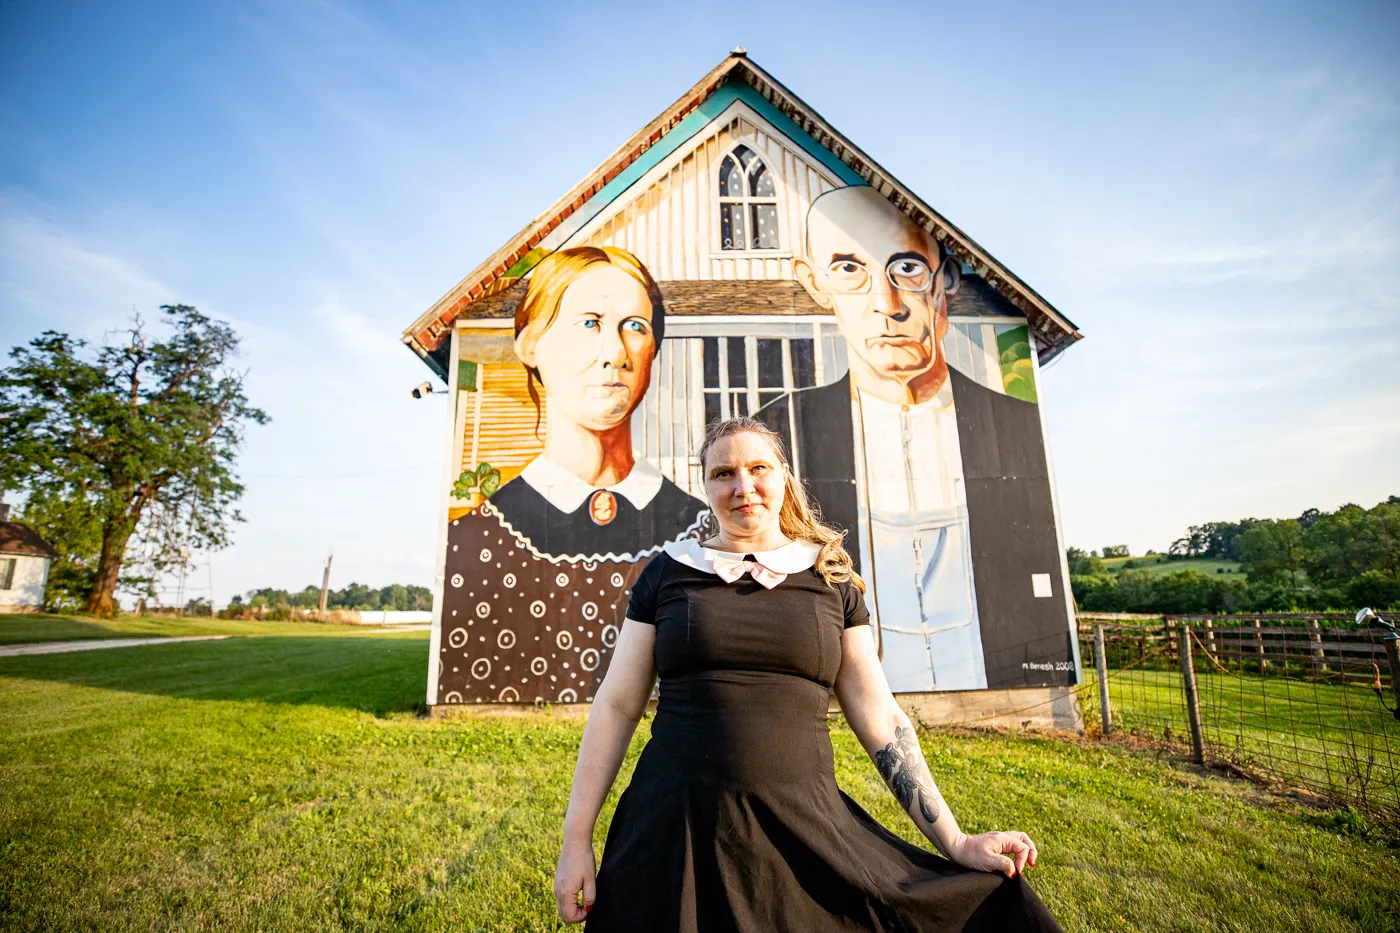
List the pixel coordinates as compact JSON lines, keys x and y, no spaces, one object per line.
{"x":24,"y":566}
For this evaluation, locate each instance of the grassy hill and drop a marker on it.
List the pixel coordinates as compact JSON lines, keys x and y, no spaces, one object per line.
{"x":1160,"y":564}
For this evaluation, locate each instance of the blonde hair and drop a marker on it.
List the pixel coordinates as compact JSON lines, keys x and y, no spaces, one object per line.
{"x":798,"y":519}
{"x":545,"y":293}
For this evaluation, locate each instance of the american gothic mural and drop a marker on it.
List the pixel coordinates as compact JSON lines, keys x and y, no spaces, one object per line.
{"x":744,"y":261}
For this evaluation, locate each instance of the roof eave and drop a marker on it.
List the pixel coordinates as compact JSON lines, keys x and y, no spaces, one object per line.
{"x":1055,"y":332}
{"x":433,"y":322}
{"x":935,"y":223}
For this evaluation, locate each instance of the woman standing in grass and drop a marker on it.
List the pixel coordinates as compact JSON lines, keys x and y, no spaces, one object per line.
{"x":733,"y":820}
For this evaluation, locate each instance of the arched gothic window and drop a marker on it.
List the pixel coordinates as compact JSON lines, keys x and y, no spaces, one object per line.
{"x":748,"y":202}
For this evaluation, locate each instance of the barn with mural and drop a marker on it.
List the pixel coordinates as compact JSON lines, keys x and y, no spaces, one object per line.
{"x":739,"y":255}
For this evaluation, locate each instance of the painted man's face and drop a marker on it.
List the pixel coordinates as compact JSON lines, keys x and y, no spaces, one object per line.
{"x":595,"y":358}
{"x":880,"y":274}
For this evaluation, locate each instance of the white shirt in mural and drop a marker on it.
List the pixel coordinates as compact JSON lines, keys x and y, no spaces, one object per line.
{"x":916,"y":515}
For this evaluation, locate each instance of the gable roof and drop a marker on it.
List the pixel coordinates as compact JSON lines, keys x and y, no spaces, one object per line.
{"x":17,"y":538}
{"x":426,"y":336}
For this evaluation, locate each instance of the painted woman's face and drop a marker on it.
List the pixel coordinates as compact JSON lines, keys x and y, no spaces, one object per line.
{"x":595,"y":359}
{"x":744,"y":483}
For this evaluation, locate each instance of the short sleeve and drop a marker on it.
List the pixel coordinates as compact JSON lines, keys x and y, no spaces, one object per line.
{"x":856,"y":613}
{"x":642,"y":606}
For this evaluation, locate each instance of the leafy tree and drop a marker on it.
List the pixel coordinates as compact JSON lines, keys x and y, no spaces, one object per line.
{"x":1218,"y":540}
{"x":400,"y":598}
{"x":268,"y":597}
{"x":1337,"y":547}
{"x":141,"y":436}
{"x":1384,"y":528}
{"x":356,"y":596}
{"x":1192,"y":545}
{"x":1375,"y":588}
{"x":1272,"y":551}
{"x":1133,"y":591}
{"x":1081,"y":564}
{"x":1116,"y":550}
{"x":394,"y":597}
{"x":74,"y":531}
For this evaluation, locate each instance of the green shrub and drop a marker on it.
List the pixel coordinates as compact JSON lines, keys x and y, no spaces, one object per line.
{"x":1375,"y":588}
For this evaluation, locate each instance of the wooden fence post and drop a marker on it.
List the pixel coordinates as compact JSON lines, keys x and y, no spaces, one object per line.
{"x":1193,"y":700}
{"x":1315,"y":636}
{"x":1210,"y":637}
{"x":1259,"y":644}
{"x":1101,"y":659}
{"x":1392,"y":656}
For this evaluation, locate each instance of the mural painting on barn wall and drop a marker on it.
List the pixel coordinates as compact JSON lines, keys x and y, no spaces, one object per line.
{"x":918,"y":435}
{"x":937,"y":472}
{"x":541,"y":554}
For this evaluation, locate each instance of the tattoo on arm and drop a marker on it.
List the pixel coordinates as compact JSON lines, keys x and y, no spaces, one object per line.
{"x":901,"y":764}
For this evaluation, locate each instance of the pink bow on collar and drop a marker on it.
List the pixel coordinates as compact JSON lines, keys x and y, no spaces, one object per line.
{"x":731,"y":569}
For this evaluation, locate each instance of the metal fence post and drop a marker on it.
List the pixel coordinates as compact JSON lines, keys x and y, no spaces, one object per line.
{"x":1315,"y":636}
{"x":1101,"y":658}
{"x":1193,"y":700}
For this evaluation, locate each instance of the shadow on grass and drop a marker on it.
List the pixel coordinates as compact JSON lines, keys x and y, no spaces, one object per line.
{"x":376,"y":674}
{"x":32,"y":629}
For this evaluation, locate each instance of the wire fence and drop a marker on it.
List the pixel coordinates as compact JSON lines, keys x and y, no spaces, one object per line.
{"x":1304,"y":701}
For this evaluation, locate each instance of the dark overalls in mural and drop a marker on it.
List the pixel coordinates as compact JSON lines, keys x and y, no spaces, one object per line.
{"x":941,"y":482}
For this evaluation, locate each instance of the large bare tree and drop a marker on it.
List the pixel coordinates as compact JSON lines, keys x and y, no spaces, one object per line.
{"x":139,"y":439}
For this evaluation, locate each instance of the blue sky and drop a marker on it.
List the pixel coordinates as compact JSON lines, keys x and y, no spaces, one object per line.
{"x":1211,"y":192}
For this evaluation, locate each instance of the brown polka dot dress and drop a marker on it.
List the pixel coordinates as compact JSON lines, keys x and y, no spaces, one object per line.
{"x":525,"y":624}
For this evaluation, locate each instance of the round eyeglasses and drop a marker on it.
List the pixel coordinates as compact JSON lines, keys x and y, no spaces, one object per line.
{"x":906,"y":274}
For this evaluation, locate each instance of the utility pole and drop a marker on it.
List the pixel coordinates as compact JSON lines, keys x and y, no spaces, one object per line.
{"x":325,"y":586}
{"x":180,"y":593}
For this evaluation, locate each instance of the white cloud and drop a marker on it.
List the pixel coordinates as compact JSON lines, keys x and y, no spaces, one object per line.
{"x":53,"y":275}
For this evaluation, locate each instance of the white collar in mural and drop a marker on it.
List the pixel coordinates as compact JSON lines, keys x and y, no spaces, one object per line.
{"x":939,"y":403}
{"x":566,"y":492}
{"x":793,"y":557}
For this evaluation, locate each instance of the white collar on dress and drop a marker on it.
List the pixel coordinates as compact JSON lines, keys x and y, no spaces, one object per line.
{"x":566,"y":492}
{"x":793,"y":557}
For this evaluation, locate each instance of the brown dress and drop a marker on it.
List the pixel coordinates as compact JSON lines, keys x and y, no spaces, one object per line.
{"x":534,"y":597}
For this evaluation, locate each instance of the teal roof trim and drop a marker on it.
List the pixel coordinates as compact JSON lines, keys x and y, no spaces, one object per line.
{"x":798,"y":135}
{"x":683,"y":132}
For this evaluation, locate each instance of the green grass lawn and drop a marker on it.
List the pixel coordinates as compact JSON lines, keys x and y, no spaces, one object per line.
{"x":34,"y":628}
{"x":1337,"y":740}
{"x":1159,"y":564}
{"x":288,"y":783}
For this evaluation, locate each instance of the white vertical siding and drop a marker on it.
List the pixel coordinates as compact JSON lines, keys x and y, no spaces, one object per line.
{"x":26,"y":590}
{"x":672,"y":224}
